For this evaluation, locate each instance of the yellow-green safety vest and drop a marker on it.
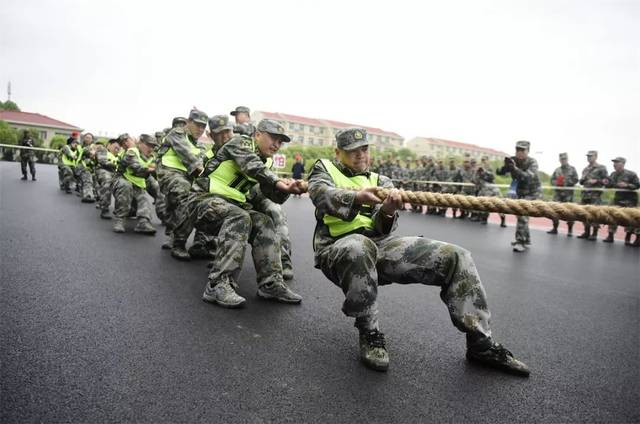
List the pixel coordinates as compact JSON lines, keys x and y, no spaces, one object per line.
{"x":172,"y":160}
{"x":229,"y":181}
{"x":112,"y":158}
{"x":74,"y":158}
{"x":338,"y":227}
{"x":138,"y":181}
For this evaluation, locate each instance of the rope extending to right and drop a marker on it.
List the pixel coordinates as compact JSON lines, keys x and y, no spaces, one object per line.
{"x":593,"y":214}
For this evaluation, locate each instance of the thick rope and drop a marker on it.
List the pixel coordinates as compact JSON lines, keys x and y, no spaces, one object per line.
{"x":539,"y":208}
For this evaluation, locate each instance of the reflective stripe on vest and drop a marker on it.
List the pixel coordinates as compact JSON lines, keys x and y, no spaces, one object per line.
{"x":74,"y":158}
{"x":172,"y":160}
{"x":337,"y":226}
{"x":138,"y":181}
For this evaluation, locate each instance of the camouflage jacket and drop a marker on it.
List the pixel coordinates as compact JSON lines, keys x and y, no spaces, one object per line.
{"x":624,"y":198}
{"x":526,"y":174}
{"x":182,"y":142}
{"x":564,"y":176}
{"x":482,"y":180}
{"x":465,"y":176}
{"x":130,"y":161}
{"x":243,"y":151}
{"x":338,"y":202}
{"x":102,"y":161}
{"x":593,"y":172}
{"x":24,"y":153}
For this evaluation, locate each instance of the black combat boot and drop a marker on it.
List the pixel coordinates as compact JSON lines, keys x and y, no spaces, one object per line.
{"x":24,"y":177}
{"x":585,"y":234}
{"x":554,"y":230}
{"x":594,"y":234}
{"x":503,"y":221}
{"x":179,"y":251}
{"x":609,"y":238}
{"x":570,"y":229}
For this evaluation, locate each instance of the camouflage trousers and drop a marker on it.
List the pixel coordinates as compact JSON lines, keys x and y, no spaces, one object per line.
{"x":86,"y":182}
{"x":591,"y":198}
{"x":28,"y":160}
{"x":176,"y":187}
{"x":153,"y":188}
{"x":125,"y":194}
{"x":275,"y":212}
{"x":522,"y":226}
{"x":68,"y":177}
{"x":235,"y":228}
{"x":358,"y":265}
{"x":104,"y":179}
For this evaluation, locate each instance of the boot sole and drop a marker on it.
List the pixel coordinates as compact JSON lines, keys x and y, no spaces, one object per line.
{"x":499,"y":367}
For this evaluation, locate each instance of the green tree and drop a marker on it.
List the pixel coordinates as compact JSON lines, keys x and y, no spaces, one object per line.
{"x":7,"y":134}
{"x":9,"y":105}
{"x":57,"y":142}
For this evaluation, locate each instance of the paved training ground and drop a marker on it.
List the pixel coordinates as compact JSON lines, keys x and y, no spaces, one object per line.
{"x":99,"y":327}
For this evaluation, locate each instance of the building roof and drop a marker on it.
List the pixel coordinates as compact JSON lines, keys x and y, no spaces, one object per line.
{"x":36,"y":119}
{"x":324,"y":122}
{"x":450,"y":143}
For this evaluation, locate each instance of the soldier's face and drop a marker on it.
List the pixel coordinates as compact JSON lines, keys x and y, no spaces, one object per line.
{"x":242,"y":118}
{"x":357,"y":159}
{"x":113,"y":148}
{"x":618,"y":166}
{"x":564,"y":162}
{"x":268,"y":144}
{"x":591,"y":159}
{"x":196,"y":129}
{"x":87,"y":139}
{"x":221,"y":137}
{"x":145,"y":149}
{"x":521,"y":154}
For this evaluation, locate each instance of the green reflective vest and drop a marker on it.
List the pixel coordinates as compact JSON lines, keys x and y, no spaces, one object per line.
{"x":74,"y":158}
{"x":135,"y":180}
{"x":172,"y":160}
{"x":112,"y":158}
{"x":227,"y":180}
{"x":337,"y":226}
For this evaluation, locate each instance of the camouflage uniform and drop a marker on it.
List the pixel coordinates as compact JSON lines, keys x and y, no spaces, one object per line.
{"x":67,"y":171}
{"x":483,"y":179}
{"x":27,"y":157}
{"x":440,"y":173}
{"x":237,"y":223}
{"x":592,"y":197}
{"x":627,"y":199}
{"x":361,"y":261}
{"x":125,"y":192}
{"x":105,"y":171}
{"x":525,"y":175}
{"x":465,"y":175}
{"x":563,"y":176}
{"x":84,"y":173}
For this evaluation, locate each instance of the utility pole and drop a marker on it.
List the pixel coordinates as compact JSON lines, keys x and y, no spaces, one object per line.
{"x":9,"y":91}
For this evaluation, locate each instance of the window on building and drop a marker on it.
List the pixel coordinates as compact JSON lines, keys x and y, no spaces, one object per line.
{"x":300,"y":139}
{"x":43,"y":135}
{"x":311,"y":141}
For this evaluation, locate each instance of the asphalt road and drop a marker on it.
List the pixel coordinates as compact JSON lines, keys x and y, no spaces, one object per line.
{"x":99,"y":327}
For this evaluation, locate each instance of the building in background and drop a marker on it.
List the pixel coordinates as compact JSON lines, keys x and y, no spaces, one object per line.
{"x":439,"y":148}
{"x":47,"y":127}
{"x":321,"y":132}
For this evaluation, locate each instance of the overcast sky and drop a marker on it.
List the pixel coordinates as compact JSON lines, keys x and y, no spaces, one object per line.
{"x":563,"y":74}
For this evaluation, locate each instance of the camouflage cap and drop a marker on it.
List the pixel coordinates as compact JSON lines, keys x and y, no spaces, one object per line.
{"x":619,"y":159}
{"x":102,"y":141}
{"x":592,"y":153}
{"x":219,"y":123}
{"x":351,"y":138}
{"x":240,"y":109}
{"x":178,"y":120}
{"x":123,"y":137}
{"x":523,"y":144}
{"x":148,"y":140}
{"x":563,"y":156}
{"x":113,"y":140}
{"x":198,"y":116}
{"x":273,"y":127}
{"x":160,"y":134}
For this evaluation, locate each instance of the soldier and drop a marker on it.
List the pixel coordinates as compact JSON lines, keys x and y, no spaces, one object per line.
{"x":223,"y":208}
{"x":593,"y":176}
{"x":440,"y":173}
{"x":152,"y":185}
{"x":564,"y":176}
{"x":27,"y":156}
{"x":106,"y":166}
{"x":484,"y":178}
{"x":84,"y":168}
{"x":69,"y":157}
{"x":452,"y":174}
{"x":465,"y":175}
{"x":524,"y":175}
{"x":354,"y":249}
{"x":623,"y":179}
{"x":133,"y":169}
{"x":180,"y":161}
{"x":242,"y":115}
